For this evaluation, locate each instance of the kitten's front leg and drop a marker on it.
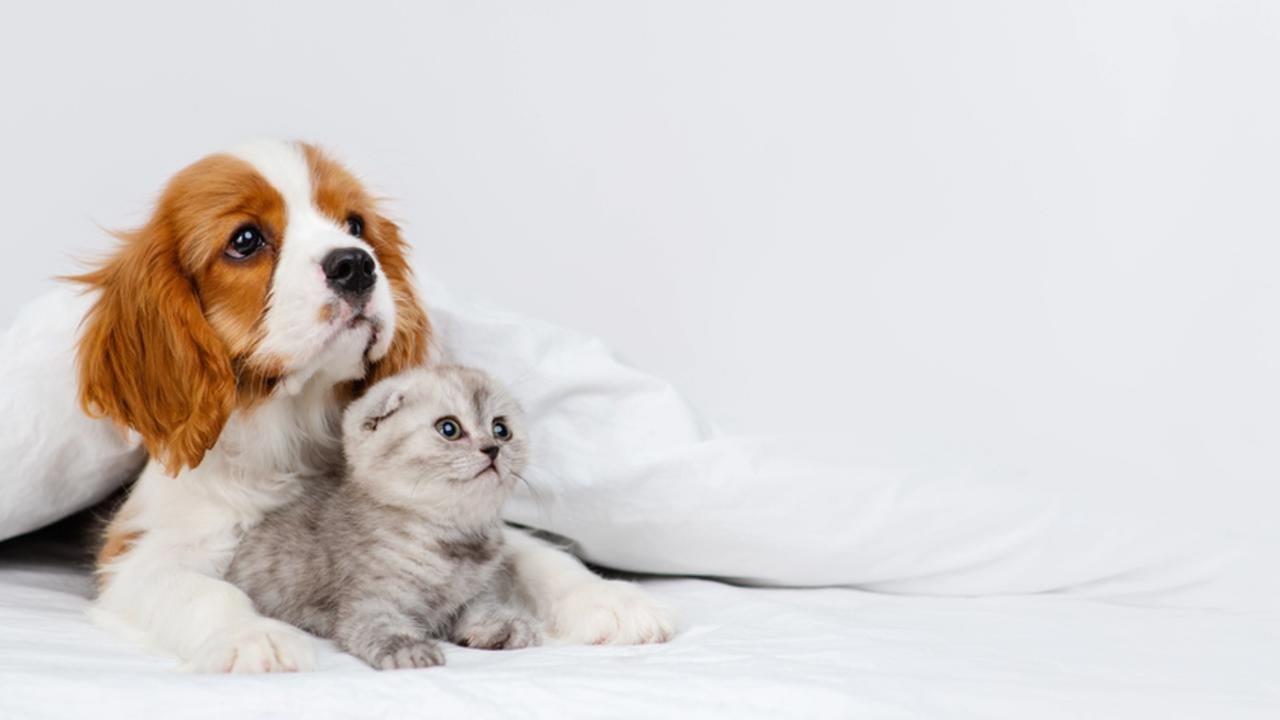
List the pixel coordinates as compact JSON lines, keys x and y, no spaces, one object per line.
{"x":403,"y":652}
{"x":493,"y":622}
{"x":385,"y":637}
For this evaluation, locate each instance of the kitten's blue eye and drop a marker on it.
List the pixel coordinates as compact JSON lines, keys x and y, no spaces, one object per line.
{"x":500,"y":430}
{"x":449,"y":428}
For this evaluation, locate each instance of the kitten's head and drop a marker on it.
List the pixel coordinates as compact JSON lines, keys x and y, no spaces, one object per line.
{"x":446,"y":439}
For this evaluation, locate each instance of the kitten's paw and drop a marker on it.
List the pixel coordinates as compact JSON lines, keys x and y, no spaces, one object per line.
{"x":406,"y":653}
{"x":611,"y":612}
{"x":500,"y":631}
{"x":266,"y":646}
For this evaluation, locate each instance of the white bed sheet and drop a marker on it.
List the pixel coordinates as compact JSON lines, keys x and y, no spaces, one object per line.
{"x":743,"y":652}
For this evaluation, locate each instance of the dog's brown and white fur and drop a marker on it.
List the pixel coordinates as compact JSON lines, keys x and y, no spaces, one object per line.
{"x":233,"y":368}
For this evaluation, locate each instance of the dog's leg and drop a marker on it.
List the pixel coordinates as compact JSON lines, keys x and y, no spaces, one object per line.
{"x":580,"y":607}
{"x":164,"y":587}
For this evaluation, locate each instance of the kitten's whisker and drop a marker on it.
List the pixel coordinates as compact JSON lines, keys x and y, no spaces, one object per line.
{"x":539,"y":499}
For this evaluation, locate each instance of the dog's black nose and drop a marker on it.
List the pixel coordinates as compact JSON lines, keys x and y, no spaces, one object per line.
{"x":491,"y":451}
{"x":350,"y":271}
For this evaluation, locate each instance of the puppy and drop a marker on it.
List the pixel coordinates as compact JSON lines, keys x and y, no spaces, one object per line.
{"x":229,"y":332}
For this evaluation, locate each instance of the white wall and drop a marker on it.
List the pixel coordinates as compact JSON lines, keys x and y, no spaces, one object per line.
{"x":1014,"y":230}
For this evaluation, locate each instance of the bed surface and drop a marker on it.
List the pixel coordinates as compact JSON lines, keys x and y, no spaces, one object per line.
{"x":742,"y":652}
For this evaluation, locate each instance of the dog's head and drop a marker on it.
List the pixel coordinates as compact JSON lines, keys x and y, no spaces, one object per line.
{"x":261,"y":271}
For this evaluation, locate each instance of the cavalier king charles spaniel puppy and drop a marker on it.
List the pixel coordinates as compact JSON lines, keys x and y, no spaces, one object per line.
{"x":229,"y":332}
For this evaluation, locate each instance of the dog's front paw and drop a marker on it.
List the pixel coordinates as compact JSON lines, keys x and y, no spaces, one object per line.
{"x":401,"y":652}
{"x":265,"y":646}
{"x":611,"y":612}
{"x":500,"y":631}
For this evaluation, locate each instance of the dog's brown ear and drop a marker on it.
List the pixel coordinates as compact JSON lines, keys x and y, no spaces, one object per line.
{"x":413,"y":330}
{"x":148,"y":358}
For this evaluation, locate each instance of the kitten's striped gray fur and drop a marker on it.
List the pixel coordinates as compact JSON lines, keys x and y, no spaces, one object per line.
{"x":406,"y":549}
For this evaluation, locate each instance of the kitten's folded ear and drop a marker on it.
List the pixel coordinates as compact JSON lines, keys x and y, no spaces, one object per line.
{"x":380,"y":404}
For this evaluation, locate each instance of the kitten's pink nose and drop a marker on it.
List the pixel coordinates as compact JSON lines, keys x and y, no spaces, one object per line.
{"x":491,"y":451}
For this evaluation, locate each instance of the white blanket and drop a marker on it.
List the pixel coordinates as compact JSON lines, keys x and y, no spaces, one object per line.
{"x":743,"y":653}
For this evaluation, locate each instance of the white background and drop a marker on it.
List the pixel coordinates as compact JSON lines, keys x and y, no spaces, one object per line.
{"x":1034,"y":233}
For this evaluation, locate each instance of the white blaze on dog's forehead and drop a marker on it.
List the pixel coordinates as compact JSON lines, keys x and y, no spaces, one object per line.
{"x":309,"y":233}
{"x":284,"y":165}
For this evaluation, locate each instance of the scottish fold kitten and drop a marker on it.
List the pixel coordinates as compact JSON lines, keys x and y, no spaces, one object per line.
{"x":406,"y":549}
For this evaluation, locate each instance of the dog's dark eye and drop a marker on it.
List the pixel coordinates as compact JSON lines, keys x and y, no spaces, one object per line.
{"x":355,"y":225}
{"x":500,"y":430}
{"x":244,"y":242}
{"x":448,"y":428}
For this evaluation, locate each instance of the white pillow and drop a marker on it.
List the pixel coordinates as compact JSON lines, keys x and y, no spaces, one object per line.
{"x":630,"y":473}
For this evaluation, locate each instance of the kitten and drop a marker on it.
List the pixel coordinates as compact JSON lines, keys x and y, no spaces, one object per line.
{"x":407,"y":548}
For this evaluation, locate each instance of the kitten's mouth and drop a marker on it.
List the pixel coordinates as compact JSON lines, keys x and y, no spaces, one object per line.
{"x":490,"y":469}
